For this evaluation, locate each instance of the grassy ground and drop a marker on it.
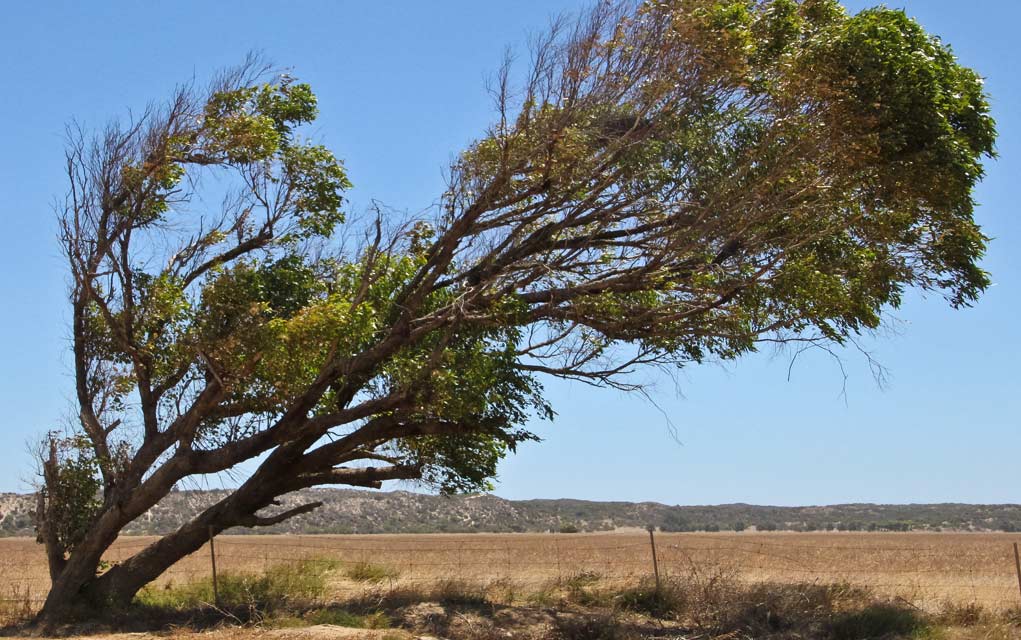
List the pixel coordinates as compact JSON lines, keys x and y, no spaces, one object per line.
{"x":828,"y":586}
{"x":925,"y":569}
{"x":296,"y":598}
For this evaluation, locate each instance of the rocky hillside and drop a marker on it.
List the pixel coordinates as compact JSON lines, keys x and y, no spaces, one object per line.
{"x":350,"y":511}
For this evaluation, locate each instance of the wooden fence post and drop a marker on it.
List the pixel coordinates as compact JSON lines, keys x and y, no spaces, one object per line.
{"x":507,"y":553}
{"x":212,"y":558}
{"x":655,"y":562}
{"x":556,"y":548}
{"x":1017,"y":567}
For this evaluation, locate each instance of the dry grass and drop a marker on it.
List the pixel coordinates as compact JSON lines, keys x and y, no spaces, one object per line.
{"x":927,"y":570}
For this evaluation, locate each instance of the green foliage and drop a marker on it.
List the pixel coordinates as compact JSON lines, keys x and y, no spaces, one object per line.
{"x":244,"y":128}
{"x":369,"y":572}
{"x":280,"y":586}
{"x":252,"y":123}
{"x":74,"y":488}
{"x":291,"y":314}
{"x":255,"y":125}
{"x":929,"y":119}
{"x":904,"y":128}
{"x":317,"y":178}
{"x":678,"y":185}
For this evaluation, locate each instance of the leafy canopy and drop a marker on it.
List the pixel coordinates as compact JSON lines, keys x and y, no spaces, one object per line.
{"x":674,"y":182}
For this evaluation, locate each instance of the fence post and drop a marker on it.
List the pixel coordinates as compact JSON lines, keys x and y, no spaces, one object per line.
{"x":1017,"y":567}
{"x":655,"y":562}
{"x":507,"y":553}
{"x":212,"y":558}
{"x":556,"y":547}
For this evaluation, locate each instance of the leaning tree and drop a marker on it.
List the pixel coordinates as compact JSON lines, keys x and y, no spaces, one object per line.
{"x":665,"y":183}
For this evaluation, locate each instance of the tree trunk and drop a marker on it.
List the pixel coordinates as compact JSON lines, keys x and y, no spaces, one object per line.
{"x":78,"y":587}
{"x":118,"y":586}
{"x":70,"y":591}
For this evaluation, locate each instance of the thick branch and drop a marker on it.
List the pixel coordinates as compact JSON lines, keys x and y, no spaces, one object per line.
{"x":268,"y":521}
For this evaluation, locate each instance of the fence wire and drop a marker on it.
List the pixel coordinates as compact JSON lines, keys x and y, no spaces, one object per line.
{"x":965,"y":568}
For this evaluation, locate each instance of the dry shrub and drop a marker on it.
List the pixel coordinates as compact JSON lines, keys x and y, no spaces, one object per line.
{"x":667,"y":600}
{"x":1012,"y":616}
{"x":503,"y":590}
{"x":334,"y":616}
{"x":878,"y":620}
{"x":458,"y":592}
{"x":585,"y":589}
{"x":957,"y":614}
{"x":840,"y":611}
{"x":450,"y":593}
{"x":772,"y":607}
{"x":386,"y":599}
{"x":707,"y":595}
{"x":369,"y":572}
{"x":703,"y":596}
{"x":717,"y":603}
{"x":16,"y":605}
{"x":470,"y":626}
{"x":548,"y":595}
{"x":452,"y":622}
{"x":344,"y":618}
{"x":581,"y":580}
{"x":607,"y":626}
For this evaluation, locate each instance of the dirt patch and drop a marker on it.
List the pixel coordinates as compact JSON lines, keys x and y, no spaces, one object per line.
{"x":332,"y":632}
{"x":315,"y":632}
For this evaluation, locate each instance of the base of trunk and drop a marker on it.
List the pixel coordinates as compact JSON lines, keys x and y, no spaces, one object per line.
{"x":93,"y":601}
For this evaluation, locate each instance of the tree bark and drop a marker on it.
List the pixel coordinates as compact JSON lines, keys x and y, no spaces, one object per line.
{"x":79,"y":588}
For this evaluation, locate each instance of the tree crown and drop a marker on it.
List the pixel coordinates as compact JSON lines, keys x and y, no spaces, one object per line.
{"x":672,"y":182}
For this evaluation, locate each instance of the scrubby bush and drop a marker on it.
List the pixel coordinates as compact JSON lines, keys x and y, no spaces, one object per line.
{"x":277,"y":587}
{"x":667,"y":600}
{"x":877,"y":621}
{"x":957,"y":614}
{"x":369,"y":572}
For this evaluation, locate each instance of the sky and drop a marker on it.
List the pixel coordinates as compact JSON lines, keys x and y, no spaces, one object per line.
{"x":401,"y":89}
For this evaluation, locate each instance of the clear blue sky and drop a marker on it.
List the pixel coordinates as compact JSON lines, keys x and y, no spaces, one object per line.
{"x":401,"y":89}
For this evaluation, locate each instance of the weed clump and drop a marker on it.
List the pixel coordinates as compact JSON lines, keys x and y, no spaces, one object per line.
{"x":279,"y":587}
{"x":603,"y":627}
{"x":344,"y":618}
{"x":956,"y":614}
{"x":16,"y":605}
{"x":369,"y":572}
{"x":459,"y":593}
{"x":667,"y":600}
{"x":877,"y":621}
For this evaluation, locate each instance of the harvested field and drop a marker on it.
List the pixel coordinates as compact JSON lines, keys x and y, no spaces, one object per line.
{"x":924,"y":569}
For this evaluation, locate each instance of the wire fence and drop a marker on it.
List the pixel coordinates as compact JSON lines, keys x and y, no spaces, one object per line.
{"x":926,"y":570}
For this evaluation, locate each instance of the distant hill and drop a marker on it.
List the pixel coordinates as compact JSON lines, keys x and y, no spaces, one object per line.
{"x":350,"y":511}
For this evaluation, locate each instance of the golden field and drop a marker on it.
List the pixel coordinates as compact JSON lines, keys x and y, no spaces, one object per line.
{"x":924,"y":569}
